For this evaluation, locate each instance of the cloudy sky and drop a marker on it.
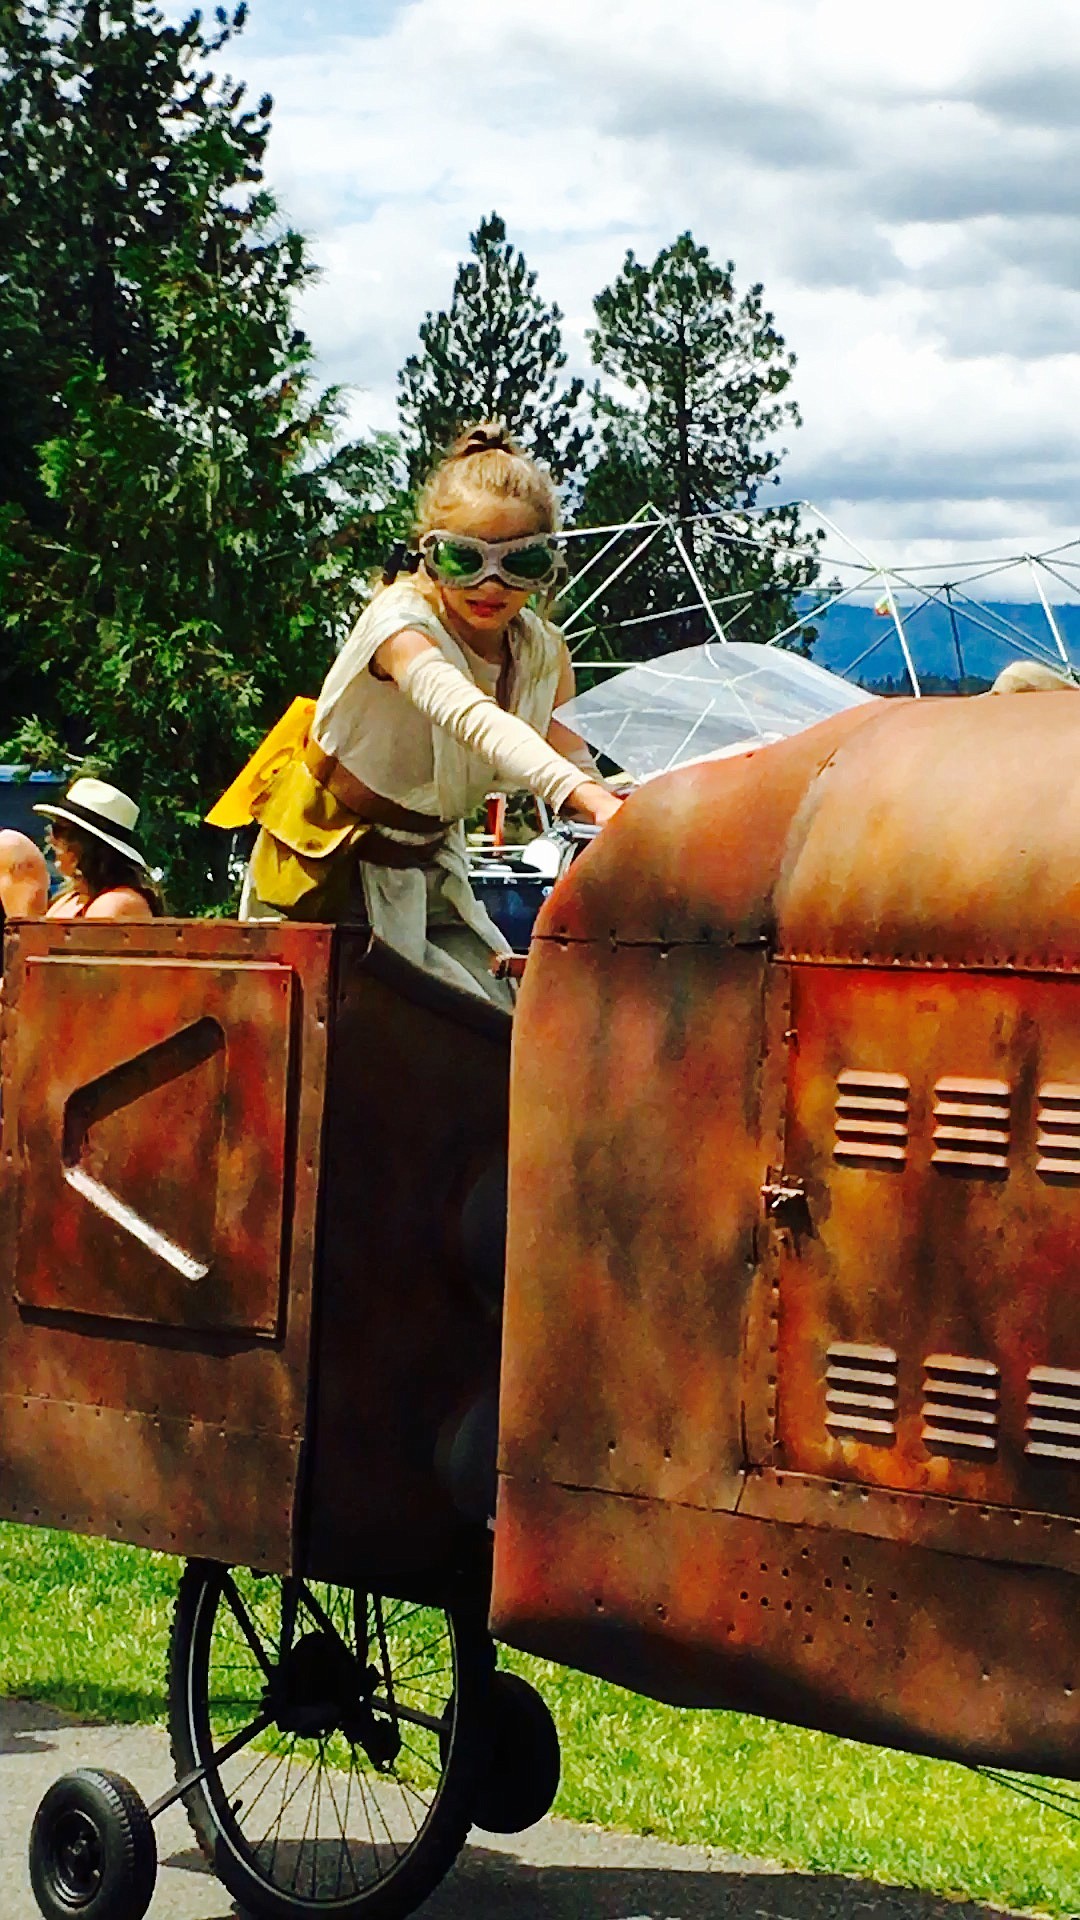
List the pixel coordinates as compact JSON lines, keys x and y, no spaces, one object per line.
{"x":905,"y":181}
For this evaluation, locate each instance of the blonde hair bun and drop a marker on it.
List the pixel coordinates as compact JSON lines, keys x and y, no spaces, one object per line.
{"x":486,"y":463}
{"x":488,"y":436}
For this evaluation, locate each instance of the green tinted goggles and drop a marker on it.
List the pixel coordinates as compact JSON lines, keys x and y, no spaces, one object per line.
{"x":519,"y":564}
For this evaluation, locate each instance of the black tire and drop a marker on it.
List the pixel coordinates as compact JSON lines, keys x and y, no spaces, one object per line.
{"x":92,"y":1850}
{"x":521,"y":1778}
{"x":407,"y":1811}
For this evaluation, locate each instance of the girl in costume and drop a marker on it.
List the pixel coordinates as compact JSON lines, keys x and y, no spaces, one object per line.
{"x":444,"y":691}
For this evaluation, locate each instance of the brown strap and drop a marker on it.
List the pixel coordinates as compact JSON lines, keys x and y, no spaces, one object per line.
{"x":371,"y":807}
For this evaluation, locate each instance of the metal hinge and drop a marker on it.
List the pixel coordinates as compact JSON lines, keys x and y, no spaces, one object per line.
{"x":785,"y":1202}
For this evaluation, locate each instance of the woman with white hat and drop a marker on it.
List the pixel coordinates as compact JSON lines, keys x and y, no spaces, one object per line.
{"x":92,"y":830}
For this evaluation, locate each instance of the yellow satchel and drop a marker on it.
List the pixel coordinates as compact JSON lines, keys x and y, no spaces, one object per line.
{"x":303,"y":860}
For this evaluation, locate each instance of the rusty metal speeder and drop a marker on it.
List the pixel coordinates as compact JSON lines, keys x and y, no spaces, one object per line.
{"x":791,"y":1357}
{"x":789,"y":1413}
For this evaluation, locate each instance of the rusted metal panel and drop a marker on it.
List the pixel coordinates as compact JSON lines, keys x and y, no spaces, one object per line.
{"x":694,"y":857}
{"x":946,"y":833}
{"x":413,"y":1211}
{"x":191,"y":1430}
{"x":917,"y":1519}
{"x":929,"y":1317}
{"x":965,"y":1659}
{"x":150,"y":1144}
{"x":635,"y":1157}
{"x":892,"y":1118}
{"x":179,"y":1485}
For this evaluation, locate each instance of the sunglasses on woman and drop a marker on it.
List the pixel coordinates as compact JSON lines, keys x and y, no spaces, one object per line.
{"x":460,"y":562}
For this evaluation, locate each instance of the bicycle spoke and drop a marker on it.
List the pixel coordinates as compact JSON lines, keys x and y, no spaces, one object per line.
{"x":367,"y":1810}
{"x":243,"y":1621}
{"x":303,"y":1837}
{"x":343,"y":1848}
{"x":390,"y":1841}
{"x":421,"y":1757}
{"x":267,"y":1783}
{"x":306,"y":1598}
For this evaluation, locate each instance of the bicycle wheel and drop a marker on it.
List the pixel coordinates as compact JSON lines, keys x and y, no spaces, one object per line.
{"x":357,"y":1799}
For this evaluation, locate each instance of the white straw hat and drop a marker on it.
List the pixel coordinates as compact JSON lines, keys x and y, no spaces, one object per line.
{"x":95,"y":807}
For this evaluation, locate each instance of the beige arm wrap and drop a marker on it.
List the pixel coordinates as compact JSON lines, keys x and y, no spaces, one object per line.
{"x":513,"y":749}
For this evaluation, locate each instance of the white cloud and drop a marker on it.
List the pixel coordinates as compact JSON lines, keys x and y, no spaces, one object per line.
{"x":906,"y":184}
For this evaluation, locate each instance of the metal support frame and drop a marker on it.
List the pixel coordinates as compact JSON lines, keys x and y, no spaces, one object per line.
{"x":951,"y":590}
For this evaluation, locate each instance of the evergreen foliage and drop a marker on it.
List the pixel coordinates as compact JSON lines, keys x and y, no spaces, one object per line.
{"x":689,"y":424}
{"x":496,"y":353}
{"x":182,"y":531}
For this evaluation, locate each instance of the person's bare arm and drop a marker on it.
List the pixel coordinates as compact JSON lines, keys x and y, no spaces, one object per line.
{"x":560,"y":736}
{"x":118,"y":903}
{"x":405,"y":656}
{"x":24,"y":877}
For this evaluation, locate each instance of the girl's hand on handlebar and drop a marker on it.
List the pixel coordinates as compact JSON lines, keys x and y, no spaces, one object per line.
{"x":593,"y":803}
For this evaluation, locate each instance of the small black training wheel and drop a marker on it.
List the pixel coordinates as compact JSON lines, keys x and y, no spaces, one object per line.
{"x":521,"y":1777}
{"x":92,"y":1849}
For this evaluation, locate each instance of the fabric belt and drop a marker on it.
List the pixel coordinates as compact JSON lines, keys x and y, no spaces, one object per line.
{"x":371,"y":807}
{"x":375,"y":810}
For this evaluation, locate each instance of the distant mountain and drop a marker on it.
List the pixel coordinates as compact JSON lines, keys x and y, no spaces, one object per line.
{"x":970,"y":647}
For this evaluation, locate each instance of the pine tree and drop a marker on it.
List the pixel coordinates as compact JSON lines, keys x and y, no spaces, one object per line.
{"x":495,"y":354}
{"x":707,"y":374}
{"x":182,"y":529}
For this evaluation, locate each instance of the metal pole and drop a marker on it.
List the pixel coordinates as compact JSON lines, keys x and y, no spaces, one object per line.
{"x":1051,"y":622}
{"x":901,"y":636}
{"x":881,"y":574}
{"x":955,"y":632}
{"x":604,"y":584}
{"x":606,"y":548}
{"x":693,"y":572}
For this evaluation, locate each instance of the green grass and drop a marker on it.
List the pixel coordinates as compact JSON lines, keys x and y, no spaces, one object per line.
{"x":84,"y":1625}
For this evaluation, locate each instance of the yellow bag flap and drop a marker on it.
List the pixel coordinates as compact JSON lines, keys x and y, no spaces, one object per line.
{"x":296,"y":886}
{"x":304,"y":816}
{"x":282,"y":743}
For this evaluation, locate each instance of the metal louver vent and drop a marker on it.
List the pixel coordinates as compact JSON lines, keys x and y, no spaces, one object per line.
{"x":1053,"y":1422}
{"x":960,"y":1406}
{"x":1058,"y":1138}
{"x":860,"y":1393}
{"x":971,"y":1125}
{"x":871,"y":1119}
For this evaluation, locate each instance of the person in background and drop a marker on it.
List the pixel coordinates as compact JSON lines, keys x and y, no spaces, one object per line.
{"x":24,"y":883}
{"x":24,"y":878}
{"x":92,"y":831}
{"x":1031,"y":676}
{"x":444,"y":691}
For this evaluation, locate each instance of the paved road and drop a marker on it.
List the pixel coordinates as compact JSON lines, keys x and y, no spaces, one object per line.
{"x":555,"y":1872}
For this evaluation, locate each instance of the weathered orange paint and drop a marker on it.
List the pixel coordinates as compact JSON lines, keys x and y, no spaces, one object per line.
{"x":791,"y":1366}
{"x":247,"y":1297}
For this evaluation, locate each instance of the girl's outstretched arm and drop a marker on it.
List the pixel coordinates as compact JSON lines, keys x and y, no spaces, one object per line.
{"x":513,"y":749}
